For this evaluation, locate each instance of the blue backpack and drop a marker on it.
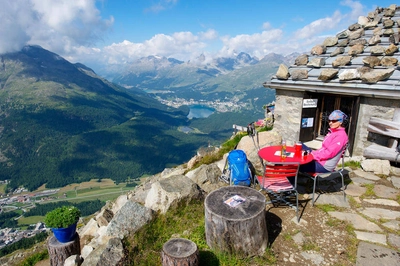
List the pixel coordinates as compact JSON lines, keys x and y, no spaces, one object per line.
{"x":239,"y":169}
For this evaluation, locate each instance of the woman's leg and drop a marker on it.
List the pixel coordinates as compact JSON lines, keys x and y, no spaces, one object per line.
{"x":312,"y":167}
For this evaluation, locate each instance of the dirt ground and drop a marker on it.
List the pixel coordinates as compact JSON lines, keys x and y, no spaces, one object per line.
{"x":316,"y":238}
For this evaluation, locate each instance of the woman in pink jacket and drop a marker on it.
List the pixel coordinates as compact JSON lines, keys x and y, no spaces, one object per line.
{"x":327,"y":157}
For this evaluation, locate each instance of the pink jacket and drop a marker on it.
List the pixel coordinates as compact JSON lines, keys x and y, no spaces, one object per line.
{"x":332,"y":147}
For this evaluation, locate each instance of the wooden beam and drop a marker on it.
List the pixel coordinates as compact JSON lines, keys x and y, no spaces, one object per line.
{"x":376,"y":151}
{"x":384,"y":127}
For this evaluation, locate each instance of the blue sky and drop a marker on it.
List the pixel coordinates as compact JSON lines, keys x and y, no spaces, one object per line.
{"x":104,"y":32}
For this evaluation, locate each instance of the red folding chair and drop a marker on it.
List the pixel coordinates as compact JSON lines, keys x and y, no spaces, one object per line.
{"x":275,"y":182}
{"x":317,"y":176}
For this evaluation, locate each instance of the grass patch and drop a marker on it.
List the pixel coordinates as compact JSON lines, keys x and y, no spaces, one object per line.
{"x":353,"y":203}
{"x":35,"y":258}
{"x":352,"y":164}
{"x":326,"y":208}
{"x":370,"y":190}
{"x":308,"y":245}
{"x":186,"y":221}
{"x":30,"y":220}
{"x":332,"y":222}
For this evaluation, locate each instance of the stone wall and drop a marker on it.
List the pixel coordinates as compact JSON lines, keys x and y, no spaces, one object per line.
{"x":288,"y":108}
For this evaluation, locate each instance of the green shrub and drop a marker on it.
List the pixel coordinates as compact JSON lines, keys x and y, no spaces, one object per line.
{"x":62,"y":217}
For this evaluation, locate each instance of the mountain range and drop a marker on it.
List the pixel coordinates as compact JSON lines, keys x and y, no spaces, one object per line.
{"x":62,"y":123}
{"x":201,"y":79}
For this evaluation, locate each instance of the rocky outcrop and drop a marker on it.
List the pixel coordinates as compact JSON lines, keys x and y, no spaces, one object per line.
{"x":102,"y":235}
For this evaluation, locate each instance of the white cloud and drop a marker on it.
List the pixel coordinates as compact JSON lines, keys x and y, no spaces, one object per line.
{"x":266,"y":26}
{"x":59,"y":26}
{"x":357,"y":9}
{"x":180,"y":45}
{"x":319,"y":26}
{"x":258,"y":44}
{"x":160,"y":6}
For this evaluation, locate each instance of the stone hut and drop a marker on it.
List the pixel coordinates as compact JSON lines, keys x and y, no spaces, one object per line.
{"x":355,"y":71}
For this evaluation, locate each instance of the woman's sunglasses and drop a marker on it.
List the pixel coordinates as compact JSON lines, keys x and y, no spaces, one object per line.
{"x":333,"y":121}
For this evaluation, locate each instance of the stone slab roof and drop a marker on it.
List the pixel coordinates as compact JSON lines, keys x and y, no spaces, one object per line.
{"x":371,"y":48}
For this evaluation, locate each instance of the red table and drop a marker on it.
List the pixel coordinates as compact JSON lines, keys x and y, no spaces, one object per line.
{"x":270,"y":154}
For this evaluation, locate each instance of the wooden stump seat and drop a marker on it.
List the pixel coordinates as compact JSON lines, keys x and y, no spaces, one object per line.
{"x":240,"y":230}
{"x":180,"y":252}
{"x":59,"y":252}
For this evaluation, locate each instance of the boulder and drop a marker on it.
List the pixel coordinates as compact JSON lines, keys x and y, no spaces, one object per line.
{"x":316,"y":62}
{"x":328,"y":74}
{"x":354,"y":27}
{"x":111,"y":253}
{"x":377,"y":50}
{"x":337,"y":51}
{"x":283,"y":72}
{"x":343,"y":34}
{"x":371,"y":24}
{"x":250,"y":147}
{"x":376,"y":75}
{"x":387,"y":23}
{"x":362,"y":20}
{"x":90,"y":229}
{"x":194,"y":160}
{"x":356,"y":49}
{"x":372,"y":61}
{"x":389,"y":12}
{"x":356,"y":34}
{"x":377,"y":31}
{"x":388,"y":32}
{"x":74,"y":260}
{"x":343,"y":43}
{"x":119,"y":202}
{"x":104,"y":217}
{"x":375,"y":39}
{"x":388,"y":61}
{"x":349,"y":74}
{"x":171,"y":191}
{"x":394,"y":38}
{"x":391,"y":49}
{"x":358,"y":41}
{"x":130,"y":218}
{"x":206,"y":176}
{"x":378,"y":167}
{"x":318,"y":50}
{"x":341,"y":61}
{"x":330,"y":41}
{"x":301,"y":60}
{"x":299,"y":74}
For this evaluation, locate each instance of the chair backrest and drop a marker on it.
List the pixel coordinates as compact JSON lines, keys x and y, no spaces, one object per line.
{"x":344,"y":155}
{"x":284,"y":170}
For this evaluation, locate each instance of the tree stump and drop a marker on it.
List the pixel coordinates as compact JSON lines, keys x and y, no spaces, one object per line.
{"x":180,"y":252}
{"x":59,"y":252}
{"x":240,"y":230}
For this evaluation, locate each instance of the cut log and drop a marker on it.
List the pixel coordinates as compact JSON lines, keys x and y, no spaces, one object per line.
{"x":180,"y":252}
{"x":59,"y":252}
{"x":239,"y":230}
{"x":376,"y":151}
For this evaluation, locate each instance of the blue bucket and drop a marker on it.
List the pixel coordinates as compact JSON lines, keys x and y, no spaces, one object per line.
{"x":65,"y":235}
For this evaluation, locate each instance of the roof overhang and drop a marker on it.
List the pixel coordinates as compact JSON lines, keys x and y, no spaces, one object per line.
{"x":353,"y":89}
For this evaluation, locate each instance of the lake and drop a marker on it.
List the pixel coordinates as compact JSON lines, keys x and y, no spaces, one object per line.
{"x":200,"y":111}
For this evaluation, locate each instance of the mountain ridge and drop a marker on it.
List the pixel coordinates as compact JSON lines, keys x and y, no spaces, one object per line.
{"x":59,"y":125}
{"x":62,"y":123}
